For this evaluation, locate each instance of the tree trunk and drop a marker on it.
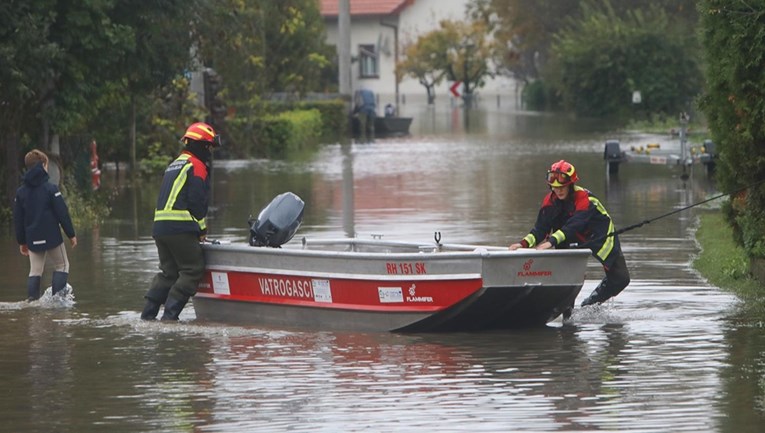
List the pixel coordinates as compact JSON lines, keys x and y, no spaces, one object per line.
{"x":431,"y":95}
{"x":13,"y":173}
{"x":133,"y":163}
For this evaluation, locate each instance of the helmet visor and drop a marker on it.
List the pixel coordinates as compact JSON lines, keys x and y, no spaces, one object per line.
{"x":556,"y":178}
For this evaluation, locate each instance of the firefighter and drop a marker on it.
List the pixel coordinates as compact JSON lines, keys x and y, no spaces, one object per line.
{"x":179,"y":224}
{"x":570,"y":215}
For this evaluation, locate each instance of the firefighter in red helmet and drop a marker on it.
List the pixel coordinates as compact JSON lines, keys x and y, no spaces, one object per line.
{"x":569,"y":215}
{"x":179,"y":224}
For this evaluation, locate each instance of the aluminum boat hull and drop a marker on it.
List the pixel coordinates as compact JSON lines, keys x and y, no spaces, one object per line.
{"x":388,"y":286}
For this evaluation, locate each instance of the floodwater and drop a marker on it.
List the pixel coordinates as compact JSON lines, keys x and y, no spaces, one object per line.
{"x":670,"y":354}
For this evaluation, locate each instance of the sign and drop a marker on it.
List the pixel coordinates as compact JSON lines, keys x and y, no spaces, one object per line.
{"x":453,"y":89}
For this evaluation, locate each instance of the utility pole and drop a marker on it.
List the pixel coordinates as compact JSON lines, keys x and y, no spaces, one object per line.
{"x":344,"y":47}
{"x":395,"y":56}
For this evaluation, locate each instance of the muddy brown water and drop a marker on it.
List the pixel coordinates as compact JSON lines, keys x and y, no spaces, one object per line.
{"x":672,"y":353}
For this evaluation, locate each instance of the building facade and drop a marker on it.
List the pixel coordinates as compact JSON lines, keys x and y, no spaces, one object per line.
{"x":380,"y":28}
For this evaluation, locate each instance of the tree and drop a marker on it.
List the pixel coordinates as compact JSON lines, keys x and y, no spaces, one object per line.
{"x":734,"y":103}
{"x":261,"y":47}
{"x":459,"y":51}
{"x":524,"y":28}
{"x":602,"y":58}
{"x":53,"y":54}
{"x":424,"y":60}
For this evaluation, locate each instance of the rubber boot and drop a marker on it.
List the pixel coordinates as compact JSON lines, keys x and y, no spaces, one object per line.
{"x":33,"y":288}
{"x":150,"y":310}
{"x":173,"y":308}
{"x":598,"y":296}
{"x":59,"y":281}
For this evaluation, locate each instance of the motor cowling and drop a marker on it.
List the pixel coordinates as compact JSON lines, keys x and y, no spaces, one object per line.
{"x":277,"y":223}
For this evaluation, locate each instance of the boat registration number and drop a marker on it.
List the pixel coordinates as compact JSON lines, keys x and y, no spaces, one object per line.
{"x":405,"y":268}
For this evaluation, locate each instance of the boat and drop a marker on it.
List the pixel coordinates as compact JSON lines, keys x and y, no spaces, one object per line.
{"x":368,"y":285}
{"x":392,"y":126}
{"x":371,"y":285}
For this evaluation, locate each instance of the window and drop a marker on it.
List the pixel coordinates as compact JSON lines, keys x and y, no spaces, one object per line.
{"x":368,"y":61}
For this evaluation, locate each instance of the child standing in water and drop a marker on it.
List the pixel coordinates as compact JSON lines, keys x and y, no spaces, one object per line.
{"x":39,"y":214}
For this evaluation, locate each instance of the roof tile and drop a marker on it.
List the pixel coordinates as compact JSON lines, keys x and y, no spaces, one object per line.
{"x":329,"y":8}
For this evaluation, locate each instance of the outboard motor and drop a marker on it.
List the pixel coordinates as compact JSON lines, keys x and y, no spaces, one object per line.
{"x":613,"y":156}
{"x":277,"y":222}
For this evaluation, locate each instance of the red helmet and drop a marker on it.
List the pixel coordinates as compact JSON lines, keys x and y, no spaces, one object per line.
{"x":561,"y":173}
{"x":201,"y":131}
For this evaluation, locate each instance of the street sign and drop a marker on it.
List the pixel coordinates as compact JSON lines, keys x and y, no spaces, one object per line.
{"x":453,"y":88}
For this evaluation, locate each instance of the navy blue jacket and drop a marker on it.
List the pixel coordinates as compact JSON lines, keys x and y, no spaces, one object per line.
{"x":581,"y":219}
{"x":38,"y":211}
{"x":183,"y":196}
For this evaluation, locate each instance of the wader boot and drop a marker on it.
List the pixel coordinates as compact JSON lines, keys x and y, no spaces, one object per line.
{"x":151,"y":309}
{"x":173,"y":308}
{"x":33,"y":288}
{"x":59,"y":282}
{"x":598,"y":296}
{"x":617,"y":278}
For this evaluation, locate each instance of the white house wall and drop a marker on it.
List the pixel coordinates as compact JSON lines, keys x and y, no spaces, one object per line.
{"x":419,"y":18}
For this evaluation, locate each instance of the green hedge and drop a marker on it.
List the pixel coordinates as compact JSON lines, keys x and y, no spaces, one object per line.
{"x":289,"y":127}
{"x":334,"y":116}
{"x":290,"y":132}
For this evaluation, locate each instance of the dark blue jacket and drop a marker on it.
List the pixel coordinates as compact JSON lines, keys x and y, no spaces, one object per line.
{"x":183,"y":195}
{"x":581,"y":219}
{"x":38,"y":211}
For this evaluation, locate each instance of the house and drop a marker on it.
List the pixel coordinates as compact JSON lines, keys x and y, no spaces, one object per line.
{"x":379,"y":29}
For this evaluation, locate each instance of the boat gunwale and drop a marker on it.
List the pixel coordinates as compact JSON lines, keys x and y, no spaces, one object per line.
{"x":344,"y":275}
{"x":450,"y":251}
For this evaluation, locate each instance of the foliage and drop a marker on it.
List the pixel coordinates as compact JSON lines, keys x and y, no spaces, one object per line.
{"x":290,"y":132}
{"x":334,"y":118}
{"x":53,"y":54}
{"x":260,"y":48}
{"x":526,"y":28}
{"x":118,"y":69}
{"x":254,"y":140}
{"x":86,"y":207}
{"x":601,"y":59}
{"x":457,"y":50}
{"x":734,"y":43}
{"x":425,"y":60}
{"x":723,"y":262}
{"x":536,"y":96}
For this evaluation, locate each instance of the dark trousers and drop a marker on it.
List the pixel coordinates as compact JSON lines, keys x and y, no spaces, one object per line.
{"x":366,"y":126}
{"x":181,"y":264}
{"x":617,"y":277}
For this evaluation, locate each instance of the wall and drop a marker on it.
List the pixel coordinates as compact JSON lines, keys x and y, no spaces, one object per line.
{"x":419,"y":18}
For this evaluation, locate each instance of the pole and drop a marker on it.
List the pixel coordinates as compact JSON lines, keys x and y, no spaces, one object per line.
{"x":344,"y":47}
{"x":395,"y":56}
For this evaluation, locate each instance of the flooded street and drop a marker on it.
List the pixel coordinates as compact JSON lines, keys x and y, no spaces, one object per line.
{"x":670,"y":354}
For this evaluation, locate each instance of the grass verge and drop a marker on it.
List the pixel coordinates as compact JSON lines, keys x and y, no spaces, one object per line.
{"x":724,"y":264}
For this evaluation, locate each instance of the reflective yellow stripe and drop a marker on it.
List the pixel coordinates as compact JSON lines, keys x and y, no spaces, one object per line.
{"x":179,"y":215}
{"x":559,"y":236}
{"x":530,"y":239}
{"x":608,"y":244}
{"x":170,"y":214}
{"x":173,"y":215}
{"x":178,"y":183}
